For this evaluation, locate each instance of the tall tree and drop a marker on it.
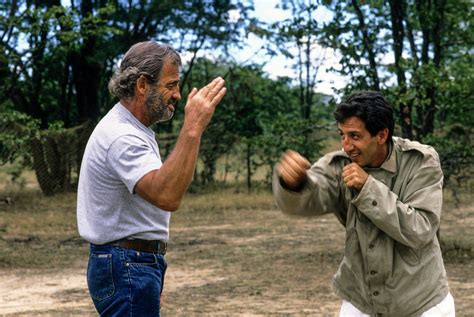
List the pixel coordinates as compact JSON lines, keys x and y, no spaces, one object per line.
{"x":426,"y":45}
{"x":80,"y":45}
{"x":295,"y":38}
{"x":419,"y":33}
{"x":56,"y":61}
{"x":397,"y":13}
{"x":222,"y":132}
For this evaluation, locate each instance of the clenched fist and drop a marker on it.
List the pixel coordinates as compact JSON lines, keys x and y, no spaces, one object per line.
{"x":292,"y":169}
{"x":354,"y":176}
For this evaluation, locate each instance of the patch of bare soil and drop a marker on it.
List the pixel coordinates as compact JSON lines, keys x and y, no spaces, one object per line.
{"x":39,"y":292}
{"x":231,"y":262}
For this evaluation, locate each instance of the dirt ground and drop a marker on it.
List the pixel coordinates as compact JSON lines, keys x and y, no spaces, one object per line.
{"x":240,"y":257}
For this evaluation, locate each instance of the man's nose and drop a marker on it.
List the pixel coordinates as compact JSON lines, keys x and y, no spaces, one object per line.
{"x":346,"y":144}
{"x":177,"y":94}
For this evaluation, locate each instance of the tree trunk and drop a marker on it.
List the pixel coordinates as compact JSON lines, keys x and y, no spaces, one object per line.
{"x":34,"y":106}
{"x":369,"y":47}
{"x":431,"y":21}
{"x":86,"y":73}
{"x":397,"y":14}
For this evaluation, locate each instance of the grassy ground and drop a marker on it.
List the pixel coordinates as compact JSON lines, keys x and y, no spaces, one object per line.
{"x":231,"y":253}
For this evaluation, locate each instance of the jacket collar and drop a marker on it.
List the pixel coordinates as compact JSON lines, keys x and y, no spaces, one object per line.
{"x":390,"y":163}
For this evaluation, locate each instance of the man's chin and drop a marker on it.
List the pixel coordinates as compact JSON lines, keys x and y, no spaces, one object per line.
{"x":168,"y":117}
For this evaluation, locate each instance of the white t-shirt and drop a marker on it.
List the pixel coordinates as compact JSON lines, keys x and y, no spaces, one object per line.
{"x":120,"y":151}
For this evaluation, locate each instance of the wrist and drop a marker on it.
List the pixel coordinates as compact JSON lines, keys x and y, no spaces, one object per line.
{"x":191,"y":132}
{"x":296,"y":188}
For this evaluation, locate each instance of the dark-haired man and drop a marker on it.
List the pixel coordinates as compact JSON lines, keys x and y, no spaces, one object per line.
{"x":387,"y":192}
{"x":125,"y":192}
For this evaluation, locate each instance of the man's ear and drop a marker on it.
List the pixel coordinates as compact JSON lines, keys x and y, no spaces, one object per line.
{"x":141,"y":85}
{"x":382,"y":136}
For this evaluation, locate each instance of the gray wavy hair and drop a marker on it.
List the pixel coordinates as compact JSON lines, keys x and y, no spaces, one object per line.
{"x":143,"y":58}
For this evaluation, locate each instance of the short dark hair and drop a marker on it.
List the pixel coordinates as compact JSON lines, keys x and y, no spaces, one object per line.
{"x":143,"y":58}
{"x":370,"y":107}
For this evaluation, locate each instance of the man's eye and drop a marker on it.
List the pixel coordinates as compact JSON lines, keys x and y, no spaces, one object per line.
{"x":171,"y":85}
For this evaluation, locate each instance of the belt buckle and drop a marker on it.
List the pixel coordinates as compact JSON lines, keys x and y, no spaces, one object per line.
{"x":162,"y":246}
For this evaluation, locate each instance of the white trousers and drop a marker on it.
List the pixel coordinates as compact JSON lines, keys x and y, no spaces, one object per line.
{"x":443,"y":309}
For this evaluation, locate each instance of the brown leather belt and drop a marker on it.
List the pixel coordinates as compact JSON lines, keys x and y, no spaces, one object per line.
{"x":153,"y":246}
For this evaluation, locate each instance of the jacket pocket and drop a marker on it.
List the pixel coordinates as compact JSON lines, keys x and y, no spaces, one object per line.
{"x":99,"y":276}
{"x":409,"y":255}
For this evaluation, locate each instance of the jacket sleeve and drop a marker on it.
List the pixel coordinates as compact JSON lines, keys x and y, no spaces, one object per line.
{"x":412,"y":219}
{"x":319,"y":196}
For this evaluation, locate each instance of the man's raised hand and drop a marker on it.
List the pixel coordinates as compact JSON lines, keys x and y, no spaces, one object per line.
{"x":202,"y":103}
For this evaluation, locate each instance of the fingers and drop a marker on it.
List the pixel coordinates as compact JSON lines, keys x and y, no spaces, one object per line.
{"x":298,"y":158}
{"x":354,"y":176}
{"x":213,"y":88}
{"x":291,"y":161}
{"x":218,"y":97}
{"x":210,"y":94}
{"x":201,"y":105}
{"x":350,"y":169}
{"x":292,"y":168}
{"x":216,"y":86}
{"x":193,"y":92}
{"x":346,"y":169}
{"x":349,"y":172}
{"x":291,"y":179}
{"x":350,"y":180}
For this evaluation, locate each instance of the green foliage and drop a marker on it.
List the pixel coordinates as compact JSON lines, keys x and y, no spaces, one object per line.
{"x":457,"y":96}
{"x":355,"y":42}
{"x":55,"y":63}
{"x":221,"y":134}
{"x":435,"y":41}
{"x":295,"y":38}
{"x":257,"y":119}
{"x":16,"y":131}
{"x":454,"y":145}
{"x":67,"y":54}
{"x":282,"y":133}
{"x":55,"y":154}
{"x":431,"y":46}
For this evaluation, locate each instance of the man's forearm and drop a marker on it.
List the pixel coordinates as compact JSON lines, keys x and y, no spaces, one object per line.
{"x":166,"y":186}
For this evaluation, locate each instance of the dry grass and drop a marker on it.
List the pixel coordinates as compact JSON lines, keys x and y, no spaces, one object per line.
{"x":39,"y":232}
{"x":231,"y":253}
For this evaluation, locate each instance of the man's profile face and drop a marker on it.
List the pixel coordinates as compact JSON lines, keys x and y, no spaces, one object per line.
{"x":361,"y":147}
{"x":164,"y":96}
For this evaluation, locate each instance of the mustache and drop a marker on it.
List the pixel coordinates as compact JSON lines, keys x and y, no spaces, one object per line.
{"x":173,"y":102}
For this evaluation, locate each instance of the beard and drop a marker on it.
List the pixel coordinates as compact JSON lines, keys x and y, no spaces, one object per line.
{"x":156,"y":107}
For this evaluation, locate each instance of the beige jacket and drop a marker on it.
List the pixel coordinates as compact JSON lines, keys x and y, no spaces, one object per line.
{"x":392,"y":263}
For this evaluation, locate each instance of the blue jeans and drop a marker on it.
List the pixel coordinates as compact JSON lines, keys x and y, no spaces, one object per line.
{"x":125,"y":282}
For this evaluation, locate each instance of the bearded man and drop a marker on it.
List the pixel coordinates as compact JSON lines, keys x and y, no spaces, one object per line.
{"x":126,"y":193}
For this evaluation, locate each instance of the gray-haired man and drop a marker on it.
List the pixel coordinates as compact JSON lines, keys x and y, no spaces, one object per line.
{"x":125,"y":192}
